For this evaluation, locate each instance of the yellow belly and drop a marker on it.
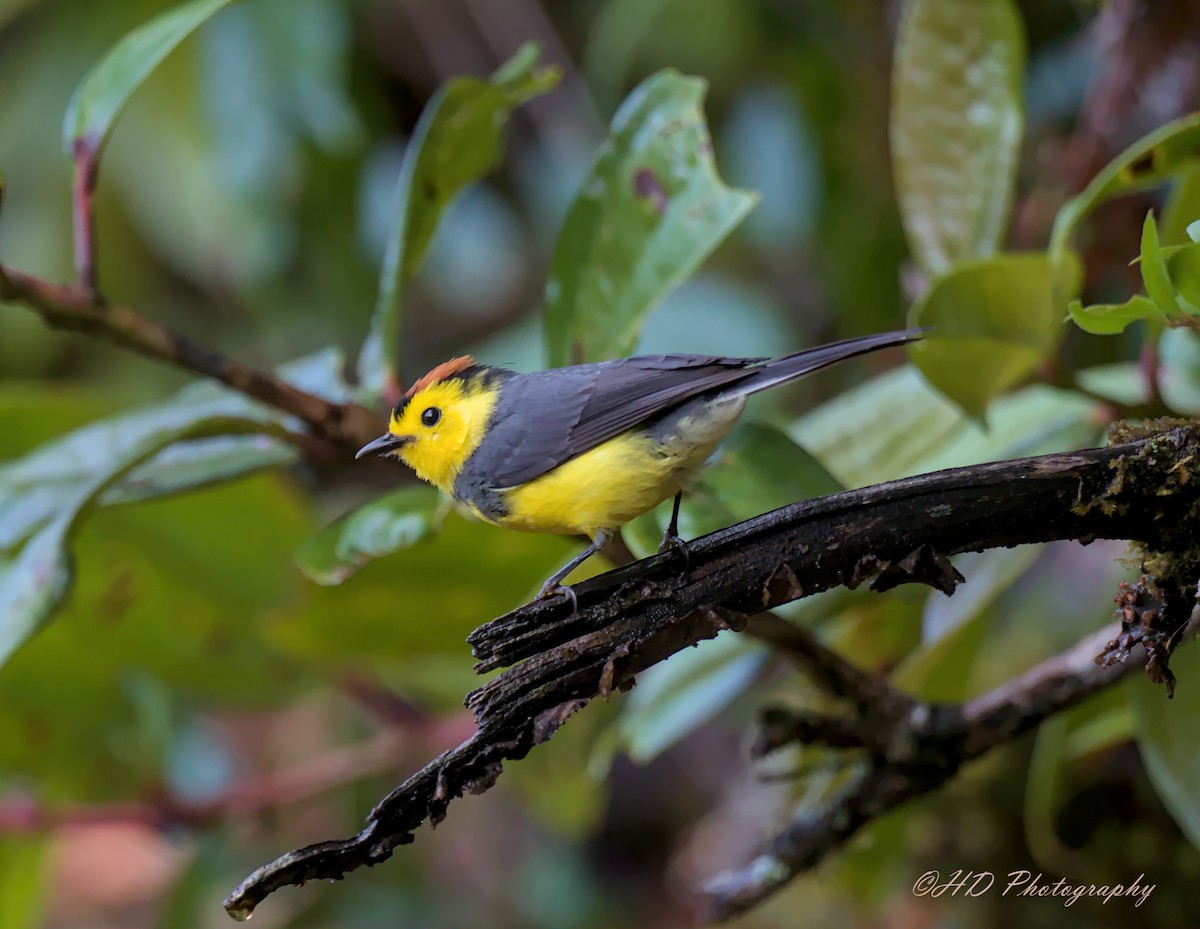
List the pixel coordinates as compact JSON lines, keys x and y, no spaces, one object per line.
{"x":615,"y":482}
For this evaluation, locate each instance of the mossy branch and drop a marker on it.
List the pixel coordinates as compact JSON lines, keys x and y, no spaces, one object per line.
{"x":900,"y":532}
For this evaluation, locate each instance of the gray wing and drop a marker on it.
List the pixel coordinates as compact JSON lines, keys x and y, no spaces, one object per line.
{"x":550,"y":417}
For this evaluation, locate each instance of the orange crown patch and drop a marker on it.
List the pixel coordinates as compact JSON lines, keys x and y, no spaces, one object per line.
{"x":446,"y":369}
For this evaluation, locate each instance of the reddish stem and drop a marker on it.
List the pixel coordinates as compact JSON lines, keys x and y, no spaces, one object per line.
{"x":83,"y":187}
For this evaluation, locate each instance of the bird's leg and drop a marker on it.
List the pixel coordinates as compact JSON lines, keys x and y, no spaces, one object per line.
{"x":671,"y":538}
{"x":553,"y":584}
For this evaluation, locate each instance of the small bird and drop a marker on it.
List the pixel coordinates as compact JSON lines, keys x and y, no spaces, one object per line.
{"x":584,"y":449}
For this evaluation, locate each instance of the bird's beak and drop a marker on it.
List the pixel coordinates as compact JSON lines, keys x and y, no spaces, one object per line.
{"x":384,"y":444}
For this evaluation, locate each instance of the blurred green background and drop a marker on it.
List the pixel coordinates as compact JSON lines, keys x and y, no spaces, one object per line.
{"x":200,"y":705}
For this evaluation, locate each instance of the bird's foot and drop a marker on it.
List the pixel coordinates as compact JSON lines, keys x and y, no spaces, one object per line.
{"x":673,"y":541}
{"x":550,"y":588}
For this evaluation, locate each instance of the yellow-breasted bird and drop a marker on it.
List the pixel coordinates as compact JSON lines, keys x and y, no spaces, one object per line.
{"x":582,"y":450}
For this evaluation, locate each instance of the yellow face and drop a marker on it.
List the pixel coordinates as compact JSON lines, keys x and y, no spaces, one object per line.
{"x":441,"y":426}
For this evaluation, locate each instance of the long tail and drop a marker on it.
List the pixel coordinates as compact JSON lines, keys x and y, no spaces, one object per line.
{"x":790,"y":367}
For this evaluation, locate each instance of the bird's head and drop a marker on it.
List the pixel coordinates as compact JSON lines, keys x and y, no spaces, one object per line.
{"x":440,"y":422}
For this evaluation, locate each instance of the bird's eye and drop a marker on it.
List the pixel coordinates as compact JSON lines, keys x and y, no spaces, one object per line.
{"x":431,"y":416}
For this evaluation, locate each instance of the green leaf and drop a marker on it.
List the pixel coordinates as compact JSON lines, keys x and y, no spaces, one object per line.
{"x":401,"y":615}
{"x":106,"y":89}
{"x":881,"y":429}
{"x":1044,"y":789}
{"x":1166,"y":735}
{"x":392,"y":523}
{"x":34,"y":583}
{"x":672,"y":699}
{"x":1154,"y":271}
{"x":36,"y":487}
{"x":956,"y":126}
{"x":647,"y":215}
{"x":1182,"y":206}
{"x":458,"y":140}
{"x":1035,"y":420}
{"x":1183,"y":269}
{"x":1147,"y":163}
{"x":995,"y":322}
{"x":555,"y":784}
{"x":167,"y":611}
{"x":953,"y":627}
{"x":1111,"y":318}
{"x":24,"y":880}
{"x":1193,"y":231}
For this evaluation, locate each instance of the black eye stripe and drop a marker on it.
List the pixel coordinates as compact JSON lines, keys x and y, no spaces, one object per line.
{"x":431,"y":416}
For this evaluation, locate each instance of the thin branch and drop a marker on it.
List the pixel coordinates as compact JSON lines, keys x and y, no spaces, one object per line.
{"x":939,"y":741}
{"x":348,"y":426}
{"x":634,"y":617}
{"x":86,"y":163}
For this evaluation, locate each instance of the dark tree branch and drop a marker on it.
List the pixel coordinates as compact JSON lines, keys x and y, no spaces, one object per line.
{"x":904,"y":531}
{"x":928,"y":749}
{"x":348,"y":426}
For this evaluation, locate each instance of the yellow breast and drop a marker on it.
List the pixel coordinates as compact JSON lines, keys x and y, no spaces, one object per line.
{"x":617,"y":481}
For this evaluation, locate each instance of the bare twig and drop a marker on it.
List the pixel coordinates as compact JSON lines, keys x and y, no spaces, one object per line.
{"x":634,"y":617}
{"x":937,"y":743}
{"x":348,"y":426}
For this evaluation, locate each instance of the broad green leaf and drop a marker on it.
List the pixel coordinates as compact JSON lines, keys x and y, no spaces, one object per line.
{"x":36,"y":487}
{"x":1147,"y":163}
{"x":106,"y":89}
{"x":1183,"y":269}
{"x":1035,"y":420}
{"x":1166,"y":735}
{"x":1154,"y":271}
{"x":167,"y":610}
{"x":895,"y":425}
{"x":956,"y":122}
{"x":942,"y":670}
{"x":1044,"y":789}
{"x":393,"y":522}
{"x":1111,"y":318}
{"x":405,"y":616}
{"x":647,"y":215}
{"x":995,"y":321}
{"x":673,"y":698}
{"x":1193,"y":231}
{"x":555,"y":783}
{"x":458,"y":140}
{"x":757,"y":469}
{"x":1102,"y":722}
{"x":35,"y":581}
{"x":953,"y":627}
{"x":880,"y":430}
{"x":24,"y":880}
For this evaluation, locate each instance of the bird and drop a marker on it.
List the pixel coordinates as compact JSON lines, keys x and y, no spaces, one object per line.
{"x":582,"y":450}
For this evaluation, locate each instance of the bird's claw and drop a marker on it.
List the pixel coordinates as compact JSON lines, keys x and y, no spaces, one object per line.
{"x":672,"y":541}
{"x":550,"y":588}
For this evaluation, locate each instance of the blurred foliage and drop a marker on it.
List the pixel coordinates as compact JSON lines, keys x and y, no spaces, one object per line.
{"x":298,"y":182}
